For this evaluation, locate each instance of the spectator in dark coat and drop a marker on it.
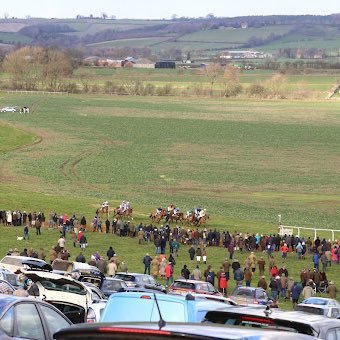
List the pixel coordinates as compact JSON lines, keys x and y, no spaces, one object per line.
{"x":185,"y":272}
{"x":191,"y":252}
{"x":147,"y":263}
{"x":110,"y":253}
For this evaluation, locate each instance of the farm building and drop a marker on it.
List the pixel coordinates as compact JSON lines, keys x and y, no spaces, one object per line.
{"x":165,"y":64}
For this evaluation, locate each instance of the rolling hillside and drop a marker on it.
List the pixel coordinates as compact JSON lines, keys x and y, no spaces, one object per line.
{"x":206,"y":36}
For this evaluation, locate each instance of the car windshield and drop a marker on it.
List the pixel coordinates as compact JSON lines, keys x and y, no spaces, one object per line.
{"x":69,"y":287}
{"x":111,"y":285}
{"x":243,"y":292}
{"x":125,"y":277}
{"x":184,"y":285}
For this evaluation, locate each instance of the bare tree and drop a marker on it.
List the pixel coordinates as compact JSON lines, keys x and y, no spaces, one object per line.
{"x":213,"y":72}
{"x":104,"y":16}
{"x":231,"y":80}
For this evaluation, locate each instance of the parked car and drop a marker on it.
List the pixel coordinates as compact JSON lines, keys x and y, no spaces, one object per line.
{"x":27,"y":318}
{"x":18,"y":264}
{"x":70,"y":296}
{"x":298,"y":322}
{"x":81,"y":271}
{"x":6,"y":287}
{"x":183,"y":286}
{"x":96,"y":293}
{"x":112,"y":285}
{"x":248,"y":296}
{"x":322,"y":306}
{"x":135,"y":307}
{"x":141,"y":280}
{"x":142,"y":331}
{"x":95,"y":310}
{"x":8,"y":109}
{"x":7,"y":275}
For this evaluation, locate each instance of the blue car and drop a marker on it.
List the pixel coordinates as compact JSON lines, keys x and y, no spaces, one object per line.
{"x":142,"y":307}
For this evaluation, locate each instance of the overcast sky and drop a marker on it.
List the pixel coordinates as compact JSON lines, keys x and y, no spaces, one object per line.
{"x":158,"y":9}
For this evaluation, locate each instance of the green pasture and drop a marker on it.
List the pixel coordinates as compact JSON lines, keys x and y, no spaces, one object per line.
{"x":101,"y":241}
{"x":318,"y":83}
{"x":245,"y":161}
{"x":9,"y":37}
{"x":137,"y":42}
{"x":234,"y":35}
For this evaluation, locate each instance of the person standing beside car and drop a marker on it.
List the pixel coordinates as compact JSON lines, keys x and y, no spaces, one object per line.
{"x":147,"y":263}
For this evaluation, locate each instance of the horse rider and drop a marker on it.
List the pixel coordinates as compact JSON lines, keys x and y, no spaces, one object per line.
{"x":170,"y":208}
{"x":202,"y":213}
{"x":197,"y":212}
{"x":189,"y":213}
{"x":159,"y":210}
{"x":127,"y":206}
{"x":176,"y":211}
{"x":122,"y":206}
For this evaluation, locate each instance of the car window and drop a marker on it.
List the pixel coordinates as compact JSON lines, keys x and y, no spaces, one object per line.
{"x":111,"y":285}
{"x":54,"y":320}
{"x":335,"y":313}
{"x":331,"y":335}
{"x":152,"y":280}
{"x":184,"y":285}
{"x":28,"y":323}
{"x":6,"y":322}
{"x":244,"y":292}
{"x":11,"y":260}
{"x":171,"y":311}
{"x":144,"y":279}
{"x":211,"y":288}
{"x":260,"y":294}
{"x":203,"y":286}
{"x":125,"y":277}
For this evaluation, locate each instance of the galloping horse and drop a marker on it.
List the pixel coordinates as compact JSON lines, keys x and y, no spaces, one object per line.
{"x":123,"y":214}
{"x":202,"y":221}
{"x":179,"y":217}
{"x":157,"y":216}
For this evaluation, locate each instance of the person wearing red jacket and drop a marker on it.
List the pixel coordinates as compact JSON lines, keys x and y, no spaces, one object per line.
{"x":169,"y":274}
{"x":284,"y":250}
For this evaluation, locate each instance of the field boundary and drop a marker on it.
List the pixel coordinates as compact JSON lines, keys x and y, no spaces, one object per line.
{"x":36,"y":92}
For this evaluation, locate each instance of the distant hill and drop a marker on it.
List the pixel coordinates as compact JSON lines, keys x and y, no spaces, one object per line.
{"x":203,"y":36}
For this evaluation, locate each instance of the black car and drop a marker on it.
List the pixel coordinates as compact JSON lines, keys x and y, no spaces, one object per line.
{"x":29,"y":318}
{"x":314,"y":325}
{"x":140,"y":280}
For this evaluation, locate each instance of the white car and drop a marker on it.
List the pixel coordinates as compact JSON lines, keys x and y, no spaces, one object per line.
{"x":70,"y":296}
{"x":17,"y":264}
{"x":8,"y":109}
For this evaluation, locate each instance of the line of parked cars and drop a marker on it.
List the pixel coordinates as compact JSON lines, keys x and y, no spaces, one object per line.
{"x":134,"y":305}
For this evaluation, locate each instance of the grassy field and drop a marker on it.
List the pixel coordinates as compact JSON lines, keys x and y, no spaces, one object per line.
{"x":245,"y":161}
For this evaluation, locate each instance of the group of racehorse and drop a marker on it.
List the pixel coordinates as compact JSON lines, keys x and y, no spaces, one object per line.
{"x":170,"y":216}
{"x":166,"y":215}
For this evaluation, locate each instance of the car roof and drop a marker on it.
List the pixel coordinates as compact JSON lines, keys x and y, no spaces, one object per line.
{"x":190,"y":281}
{"x":132,"y":274}
{"x":23,"y":258}
{"x":193,"y":331}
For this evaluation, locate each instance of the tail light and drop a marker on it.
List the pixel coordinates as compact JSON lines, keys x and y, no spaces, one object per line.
{"x":91,"y":316}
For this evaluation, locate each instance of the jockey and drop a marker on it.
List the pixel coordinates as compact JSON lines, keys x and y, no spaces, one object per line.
{"x":159,"y":210}
{"x":171,"y":207}
{"x":197,"y":212}
{"x":122,"y":206}
{"x":176,"y":211}
{"x":202,"y":213}
{"x":189,"y":213}
{"x":127,"y":206}
{"x":105,"y":204}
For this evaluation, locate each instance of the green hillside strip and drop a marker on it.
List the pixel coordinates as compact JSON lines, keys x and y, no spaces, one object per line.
{"x":235,"y":35}
{"x":140,"y":42}
{"x":9,"y":38}
{"x":12,"y":138}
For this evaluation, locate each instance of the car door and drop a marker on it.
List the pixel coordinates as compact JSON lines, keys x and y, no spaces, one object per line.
{"x":27,"y":322}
